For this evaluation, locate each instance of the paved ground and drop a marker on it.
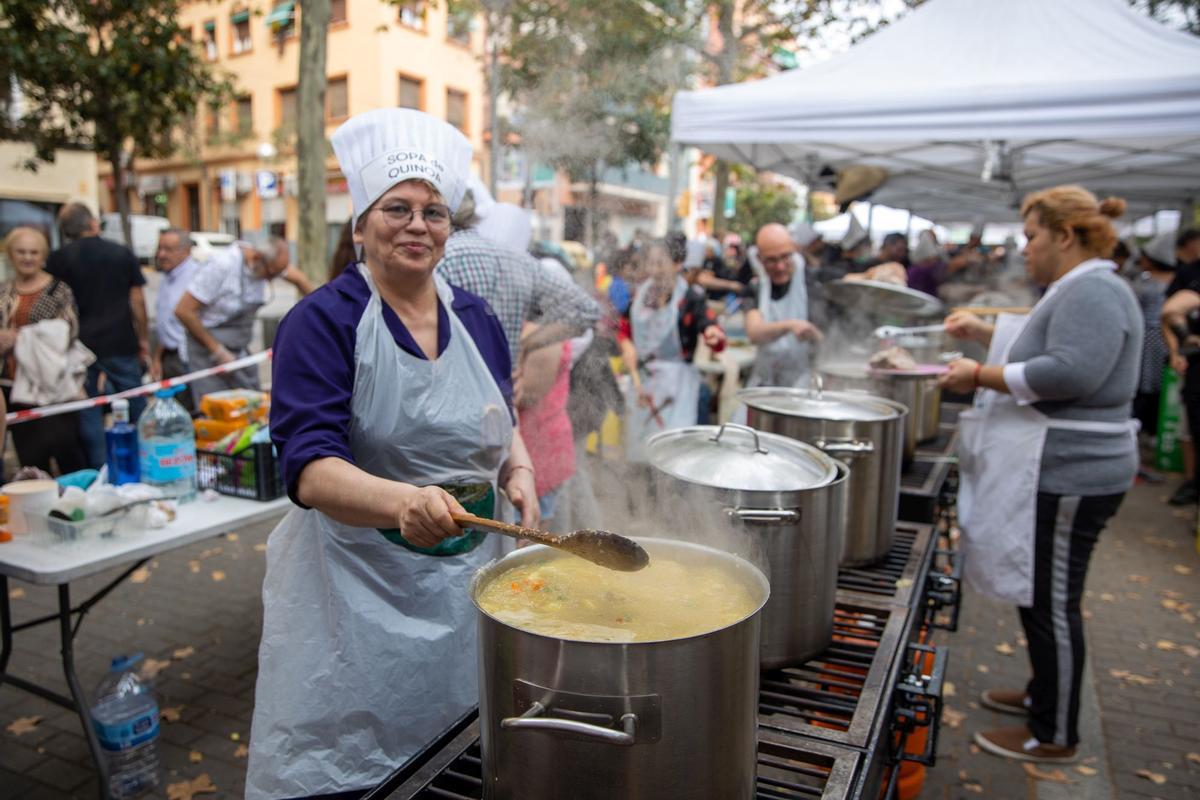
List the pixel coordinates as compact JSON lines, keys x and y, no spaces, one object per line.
{"x":196,"y":613}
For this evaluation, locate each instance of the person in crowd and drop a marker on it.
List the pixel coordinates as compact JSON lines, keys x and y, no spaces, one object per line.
{"x":972,"y":260}
{"x":856,"y":248}
{"x":219,"y":306}
{"x":928,"y":269}
{"x":33,"y":295}
{"x":343,"y":252}
{"x":777,"y":315}
{"x":541,"y":400}
{"x":1181,"y":334}
{"x":174,"y":261}
{"x":1047,"y":453}
{"x":515,"y":284}
{"x":391,"y":410}
{"x":667,"y":319}
{"x":1187,"y":259}
{"x":1156,"y":271}
{"x":712,"y":274}
{"x":107,"y":284}
{"x":893,"y":249}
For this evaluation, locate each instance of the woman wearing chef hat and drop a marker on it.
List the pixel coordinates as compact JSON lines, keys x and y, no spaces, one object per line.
{"x":391,"y":408}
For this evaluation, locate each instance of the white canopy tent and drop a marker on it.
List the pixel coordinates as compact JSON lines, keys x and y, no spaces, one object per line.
{"x":1035,"y":92}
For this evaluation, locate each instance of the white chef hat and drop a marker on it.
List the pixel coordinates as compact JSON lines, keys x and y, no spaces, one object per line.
{"x":381,"y":148}
{"x":803,"y":234}
{"x":507,"y":225}
{"x":694,"y":254}
{"x":856,"y":234}
{"x":1162,"y":248}
{"x":480,"y":194}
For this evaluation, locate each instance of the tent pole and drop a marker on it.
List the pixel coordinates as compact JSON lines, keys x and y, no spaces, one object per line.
{"x":673,"y":185}
{"x":870,"y":218}
{"x":908,"y":227}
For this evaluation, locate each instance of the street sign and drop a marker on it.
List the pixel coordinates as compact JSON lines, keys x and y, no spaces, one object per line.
{"x":267,"y":183}
{"x":228,"y":179}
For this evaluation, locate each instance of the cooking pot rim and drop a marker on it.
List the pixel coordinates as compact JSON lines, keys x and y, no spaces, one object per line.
{"x":763,"y":394}
{"x":489,"y":569}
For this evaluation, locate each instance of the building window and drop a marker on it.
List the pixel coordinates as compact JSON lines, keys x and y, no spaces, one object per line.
{"x":287,"y":109}
{"x":456,"y":109}
{"x":411,"y":92}
{"x":337,"y":11}
{"x":412,"y":14}
{"x":282,"y":19}
{"x":212,"y":124}
{"x":210,"y":40}
{"x":459,"y":22}
{"x":245,"y":116}
{"x":242,"y":43}
{"x":337,"y":100}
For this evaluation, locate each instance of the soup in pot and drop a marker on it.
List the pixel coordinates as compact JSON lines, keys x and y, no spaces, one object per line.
{"x":566,"y":597}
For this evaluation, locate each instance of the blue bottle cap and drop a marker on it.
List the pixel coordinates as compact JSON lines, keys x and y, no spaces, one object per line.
{"x":122,"y":663}
{"x":169,"y":391}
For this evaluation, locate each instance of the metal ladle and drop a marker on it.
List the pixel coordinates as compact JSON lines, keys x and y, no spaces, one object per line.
{"x":600,"y":547}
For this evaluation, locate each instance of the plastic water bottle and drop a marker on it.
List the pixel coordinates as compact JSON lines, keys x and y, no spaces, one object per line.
{"x":125,"y":717}
{"x":121,"y":442}
{"x":167,"y":446}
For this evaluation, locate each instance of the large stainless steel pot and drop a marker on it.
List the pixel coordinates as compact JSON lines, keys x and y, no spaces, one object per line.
{"x":866,"y":432}
{"x":786,"y":500}
{"x":673,"y":719}
{"x":917,"y":392}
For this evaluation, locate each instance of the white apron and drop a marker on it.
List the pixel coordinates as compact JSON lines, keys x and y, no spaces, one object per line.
{"x":368,"y":648}
{"x":1000,"y":456}
{"x":783,"y":361}
{"x":672,"y":382}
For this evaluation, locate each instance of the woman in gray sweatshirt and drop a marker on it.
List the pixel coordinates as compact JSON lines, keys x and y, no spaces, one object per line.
{"x":1047,"y":453}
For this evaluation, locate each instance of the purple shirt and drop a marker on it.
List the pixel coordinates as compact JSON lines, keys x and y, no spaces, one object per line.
{"x":313,"y":367}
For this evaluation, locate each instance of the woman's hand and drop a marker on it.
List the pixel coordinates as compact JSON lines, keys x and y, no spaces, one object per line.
{"x":522,"y":493}
{"x":805,"y":331}
{"x":965,"y":325}
{"x":961,"y":377}
{"x":424,"y":518}
{"x":714,"y":337}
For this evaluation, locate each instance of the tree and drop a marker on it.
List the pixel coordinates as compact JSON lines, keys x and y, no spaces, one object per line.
{"x":310,"y":138}
{"x":593,"y":82}
{"x":759,"y":202}
{"x":115,"y":76}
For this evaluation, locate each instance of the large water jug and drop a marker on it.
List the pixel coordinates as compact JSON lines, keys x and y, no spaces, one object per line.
{"x":125,"y":717}
{"x":167,"y":446}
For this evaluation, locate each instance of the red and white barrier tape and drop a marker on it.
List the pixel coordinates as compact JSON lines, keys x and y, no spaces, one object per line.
{"x":15,"y":417}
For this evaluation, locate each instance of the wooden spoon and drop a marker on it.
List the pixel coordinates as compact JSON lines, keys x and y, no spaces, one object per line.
{"x":599,"y":547}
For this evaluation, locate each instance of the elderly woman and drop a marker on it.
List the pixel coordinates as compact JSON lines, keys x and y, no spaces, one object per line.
{"x":32,"y":296}
{"x":1047,"y":454}
{"x":391,"y":410}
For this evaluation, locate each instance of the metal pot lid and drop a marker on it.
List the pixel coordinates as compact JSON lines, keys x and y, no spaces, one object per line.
{"x":876,"y":297}
{"x":738,"y":458}
{"x":833,"y":406}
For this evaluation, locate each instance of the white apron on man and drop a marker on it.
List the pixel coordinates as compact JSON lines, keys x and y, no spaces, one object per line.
{"x":672,"y":383}
{"x":783,"y":361}
{"x":1000,"y":456}
{"x":369,"y":648}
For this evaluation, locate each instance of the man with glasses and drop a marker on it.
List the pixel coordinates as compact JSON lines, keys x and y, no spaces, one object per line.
{"x":175,"y":265}
{"x":777,"y":317}
{"x":220,"y":304}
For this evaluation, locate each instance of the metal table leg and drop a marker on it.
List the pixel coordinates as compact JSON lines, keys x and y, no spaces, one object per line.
{"x":81,"y":702}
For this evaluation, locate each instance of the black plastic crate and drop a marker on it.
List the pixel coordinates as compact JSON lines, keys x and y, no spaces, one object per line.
{"x":252,"y":474}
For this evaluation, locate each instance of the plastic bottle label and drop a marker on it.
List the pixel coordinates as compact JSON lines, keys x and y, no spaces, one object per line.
{"x":129,"y":734}
{"x":168,"y":462}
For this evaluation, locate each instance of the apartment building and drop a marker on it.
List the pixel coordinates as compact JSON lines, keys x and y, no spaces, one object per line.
{"x":236,"y":169}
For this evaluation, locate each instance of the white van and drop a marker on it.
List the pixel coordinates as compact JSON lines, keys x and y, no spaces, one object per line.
{"x":145,"y":230}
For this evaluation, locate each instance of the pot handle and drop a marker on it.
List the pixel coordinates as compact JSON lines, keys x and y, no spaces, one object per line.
{"x":532,"y":720}
{"x":845,"y":448}
{"x":764,"y":514}
{"x":758,"y":448}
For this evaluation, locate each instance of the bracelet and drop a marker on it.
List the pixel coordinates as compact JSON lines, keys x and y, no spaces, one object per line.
{"x":975,"y":376}
{"x":516,"y":467}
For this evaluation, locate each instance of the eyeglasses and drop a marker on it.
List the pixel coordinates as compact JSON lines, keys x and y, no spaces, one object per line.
{"x":770,"y":261}
{"x":399,"y":215}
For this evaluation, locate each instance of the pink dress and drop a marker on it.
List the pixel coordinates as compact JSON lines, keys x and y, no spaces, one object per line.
{"x":546,"y":429}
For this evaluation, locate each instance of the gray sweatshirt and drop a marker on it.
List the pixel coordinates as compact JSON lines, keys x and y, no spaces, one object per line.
{"x":1082,"y":359}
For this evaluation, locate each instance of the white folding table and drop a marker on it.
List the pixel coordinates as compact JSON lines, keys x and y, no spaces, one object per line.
{"x":28,"y":559}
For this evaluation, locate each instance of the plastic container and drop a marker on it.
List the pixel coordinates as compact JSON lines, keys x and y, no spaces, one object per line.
{"x":167,"y":446}
{"x":125,"y":717}
{"x":121,"y":445}
{"x":216,"y":429}
{"x":253,"y":474}
{"x":60,"y":531}
{"x":236,"y":404}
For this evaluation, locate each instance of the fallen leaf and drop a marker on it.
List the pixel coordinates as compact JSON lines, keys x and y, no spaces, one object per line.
{"x":1164,"y":644}
{"x":1190,"y":651}
{"x":1022,"y":641}
{"x":141,"y":622}
{"x":235,"y":736}
{"x":231,"y":537}
{"x":218,"y":575}
{"x":1005,"y":649}
{"x":949,"y":689}
{"x":1054,"y":776}
{"x":171,"y":713}
{"x":260,"y":548}
{"x":187,"y":676}
{"x":210,"y":552}
{"x":1130,"y":677}
{"x":1133,"y":595}
{"x":1084,"y":770}
{"x":152,"y":666}
{"x":23,"y":725}
{"x":184,"y":652}
{"x":186,"y":790}
{"x":194,"y":566}
{"x":1087,"y":614}
{"x":1108,"y":597}
{"x":971,"y":704}
{"x":195,"y":756}
{"x":1182,"y":570}
{"x":241,"y":752}
{"x":974,"y":749}
{"x":983,"y":668}
{"x":139,"y":575}
{"x":953,"y":717}
{"x":962,"y":775}
{"x":973,"y":787}
{"x":1157,"y":778}
{"x":903,"y":583}
{"x":1193,"y":757}
{"x":16,"y":594}
{"x":1143,"y":579}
